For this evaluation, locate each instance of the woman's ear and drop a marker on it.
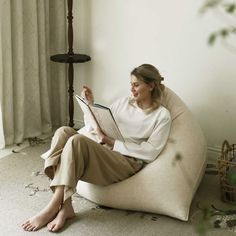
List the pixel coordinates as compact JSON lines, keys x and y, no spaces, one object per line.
{"x":152,"y":85}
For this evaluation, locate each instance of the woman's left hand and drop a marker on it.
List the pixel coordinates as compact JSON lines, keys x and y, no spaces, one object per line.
{"x":105,"y":139}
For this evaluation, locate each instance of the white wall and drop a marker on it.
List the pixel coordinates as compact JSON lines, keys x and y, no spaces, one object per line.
{"x":122,"y":34}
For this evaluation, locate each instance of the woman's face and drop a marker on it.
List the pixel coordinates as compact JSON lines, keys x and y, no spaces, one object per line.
{"x":140,"y":90}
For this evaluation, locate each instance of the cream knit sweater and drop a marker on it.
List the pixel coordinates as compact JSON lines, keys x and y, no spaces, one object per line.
{"x":145,"y":134}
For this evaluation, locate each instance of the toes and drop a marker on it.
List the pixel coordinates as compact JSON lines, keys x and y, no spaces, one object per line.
{"x":55,"y":228}
{"x":51,"y":227}
{"x":25,"y":223}
{"x":25,"y":226}
{"x":29,"y":227}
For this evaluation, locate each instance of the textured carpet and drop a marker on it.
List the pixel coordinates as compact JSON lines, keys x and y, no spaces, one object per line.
{"x":24,"y":191}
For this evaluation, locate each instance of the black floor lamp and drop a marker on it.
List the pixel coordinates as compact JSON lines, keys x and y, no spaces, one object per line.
{"x":70,"y":58}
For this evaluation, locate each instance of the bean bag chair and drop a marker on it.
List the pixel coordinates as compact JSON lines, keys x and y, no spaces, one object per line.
{"x":168,"y":184}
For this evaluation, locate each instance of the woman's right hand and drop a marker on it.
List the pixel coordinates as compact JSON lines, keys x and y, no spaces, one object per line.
{"x":87,"y":94}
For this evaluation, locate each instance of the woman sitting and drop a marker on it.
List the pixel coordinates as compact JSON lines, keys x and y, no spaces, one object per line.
{"x":145,"y":126}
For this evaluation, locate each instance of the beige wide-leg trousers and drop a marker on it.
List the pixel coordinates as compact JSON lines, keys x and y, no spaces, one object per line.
{"x":73,"y":157}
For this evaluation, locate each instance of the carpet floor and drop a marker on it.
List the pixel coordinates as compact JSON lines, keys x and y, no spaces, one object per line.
{"x":24,"y":191}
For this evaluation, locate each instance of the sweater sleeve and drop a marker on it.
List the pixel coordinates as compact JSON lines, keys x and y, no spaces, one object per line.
{"x":150,"y":149}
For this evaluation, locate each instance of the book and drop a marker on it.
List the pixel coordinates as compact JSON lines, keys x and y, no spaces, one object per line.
{"x":101,"y":117}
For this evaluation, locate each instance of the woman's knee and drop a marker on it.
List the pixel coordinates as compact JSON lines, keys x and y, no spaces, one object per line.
{"x":77,"y":138}
{"x":65,"y":130}
{"x":74,"y":146}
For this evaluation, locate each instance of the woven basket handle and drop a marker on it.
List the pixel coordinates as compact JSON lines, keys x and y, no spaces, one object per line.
{"x":225,"y":147}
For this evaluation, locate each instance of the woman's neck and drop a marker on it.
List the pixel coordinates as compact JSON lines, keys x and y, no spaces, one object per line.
{"x":144,"y":104}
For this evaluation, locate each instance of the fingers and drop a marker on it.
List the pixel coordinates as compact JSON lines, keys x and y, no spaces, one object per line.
{"x":99,"y":132}
{"x":87,"y":94}
{"x":100,"y":135}
{"x":87,"y":88}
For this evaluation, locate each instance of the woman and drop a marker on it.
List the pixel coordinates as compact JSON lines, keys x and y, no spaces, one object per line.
{"x":145,"y":126}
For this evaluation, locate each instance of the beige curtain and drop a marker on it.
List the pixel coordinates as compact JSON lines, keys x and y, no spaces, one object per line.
{"x":2,"y":139}
{"x":33,"y":89}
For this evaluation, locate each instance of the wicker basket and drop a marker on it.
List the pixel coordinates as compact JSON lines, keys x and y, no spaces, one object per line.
{"x":227,"y":172}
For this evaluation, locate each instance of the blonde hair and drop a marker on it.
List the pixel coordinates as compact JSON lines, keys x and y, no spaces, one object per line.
{"x":149,"y":74}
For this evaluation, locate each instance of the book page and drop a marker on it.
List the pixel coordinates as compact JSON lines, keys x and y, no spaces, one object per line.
{"x":106,"y":121}
{"x":101,"y":117}
{"x":87,"y":112}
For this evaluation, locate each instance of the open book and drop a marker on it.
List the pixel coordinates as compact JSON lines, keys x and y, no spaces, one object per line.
{"x":101,"y":117}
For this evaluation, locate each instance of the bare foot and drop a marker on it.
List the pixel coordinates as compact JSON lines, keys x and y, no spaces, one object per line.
{"x":65,"y":213}
{"x":39,"y":220}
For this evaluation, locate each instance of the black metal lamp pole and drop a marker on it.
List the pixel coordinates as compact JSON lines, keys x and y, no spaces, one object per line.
{"x":70,"y":58}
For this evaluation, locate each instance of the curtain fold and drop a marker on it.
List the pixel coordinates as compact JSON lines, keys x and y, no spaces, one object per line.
{"x":2,"y":139}
{"x":34,"y":89}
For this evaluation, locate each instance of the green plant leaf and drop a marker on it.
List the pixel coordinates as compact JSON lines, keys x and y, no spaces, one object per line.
{"x":230,"y":8}
{"x":212,"y":39}
{"x":209,"y":4}
{"x":203,"y":225}
{"x":231,"y":177}
{"x":224,"y":33}
{"x":212,"y":3}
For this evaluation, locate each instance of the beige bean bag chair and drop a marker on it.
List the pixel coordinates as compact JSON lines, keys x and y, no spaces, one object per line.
{"x":167,"y":185}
